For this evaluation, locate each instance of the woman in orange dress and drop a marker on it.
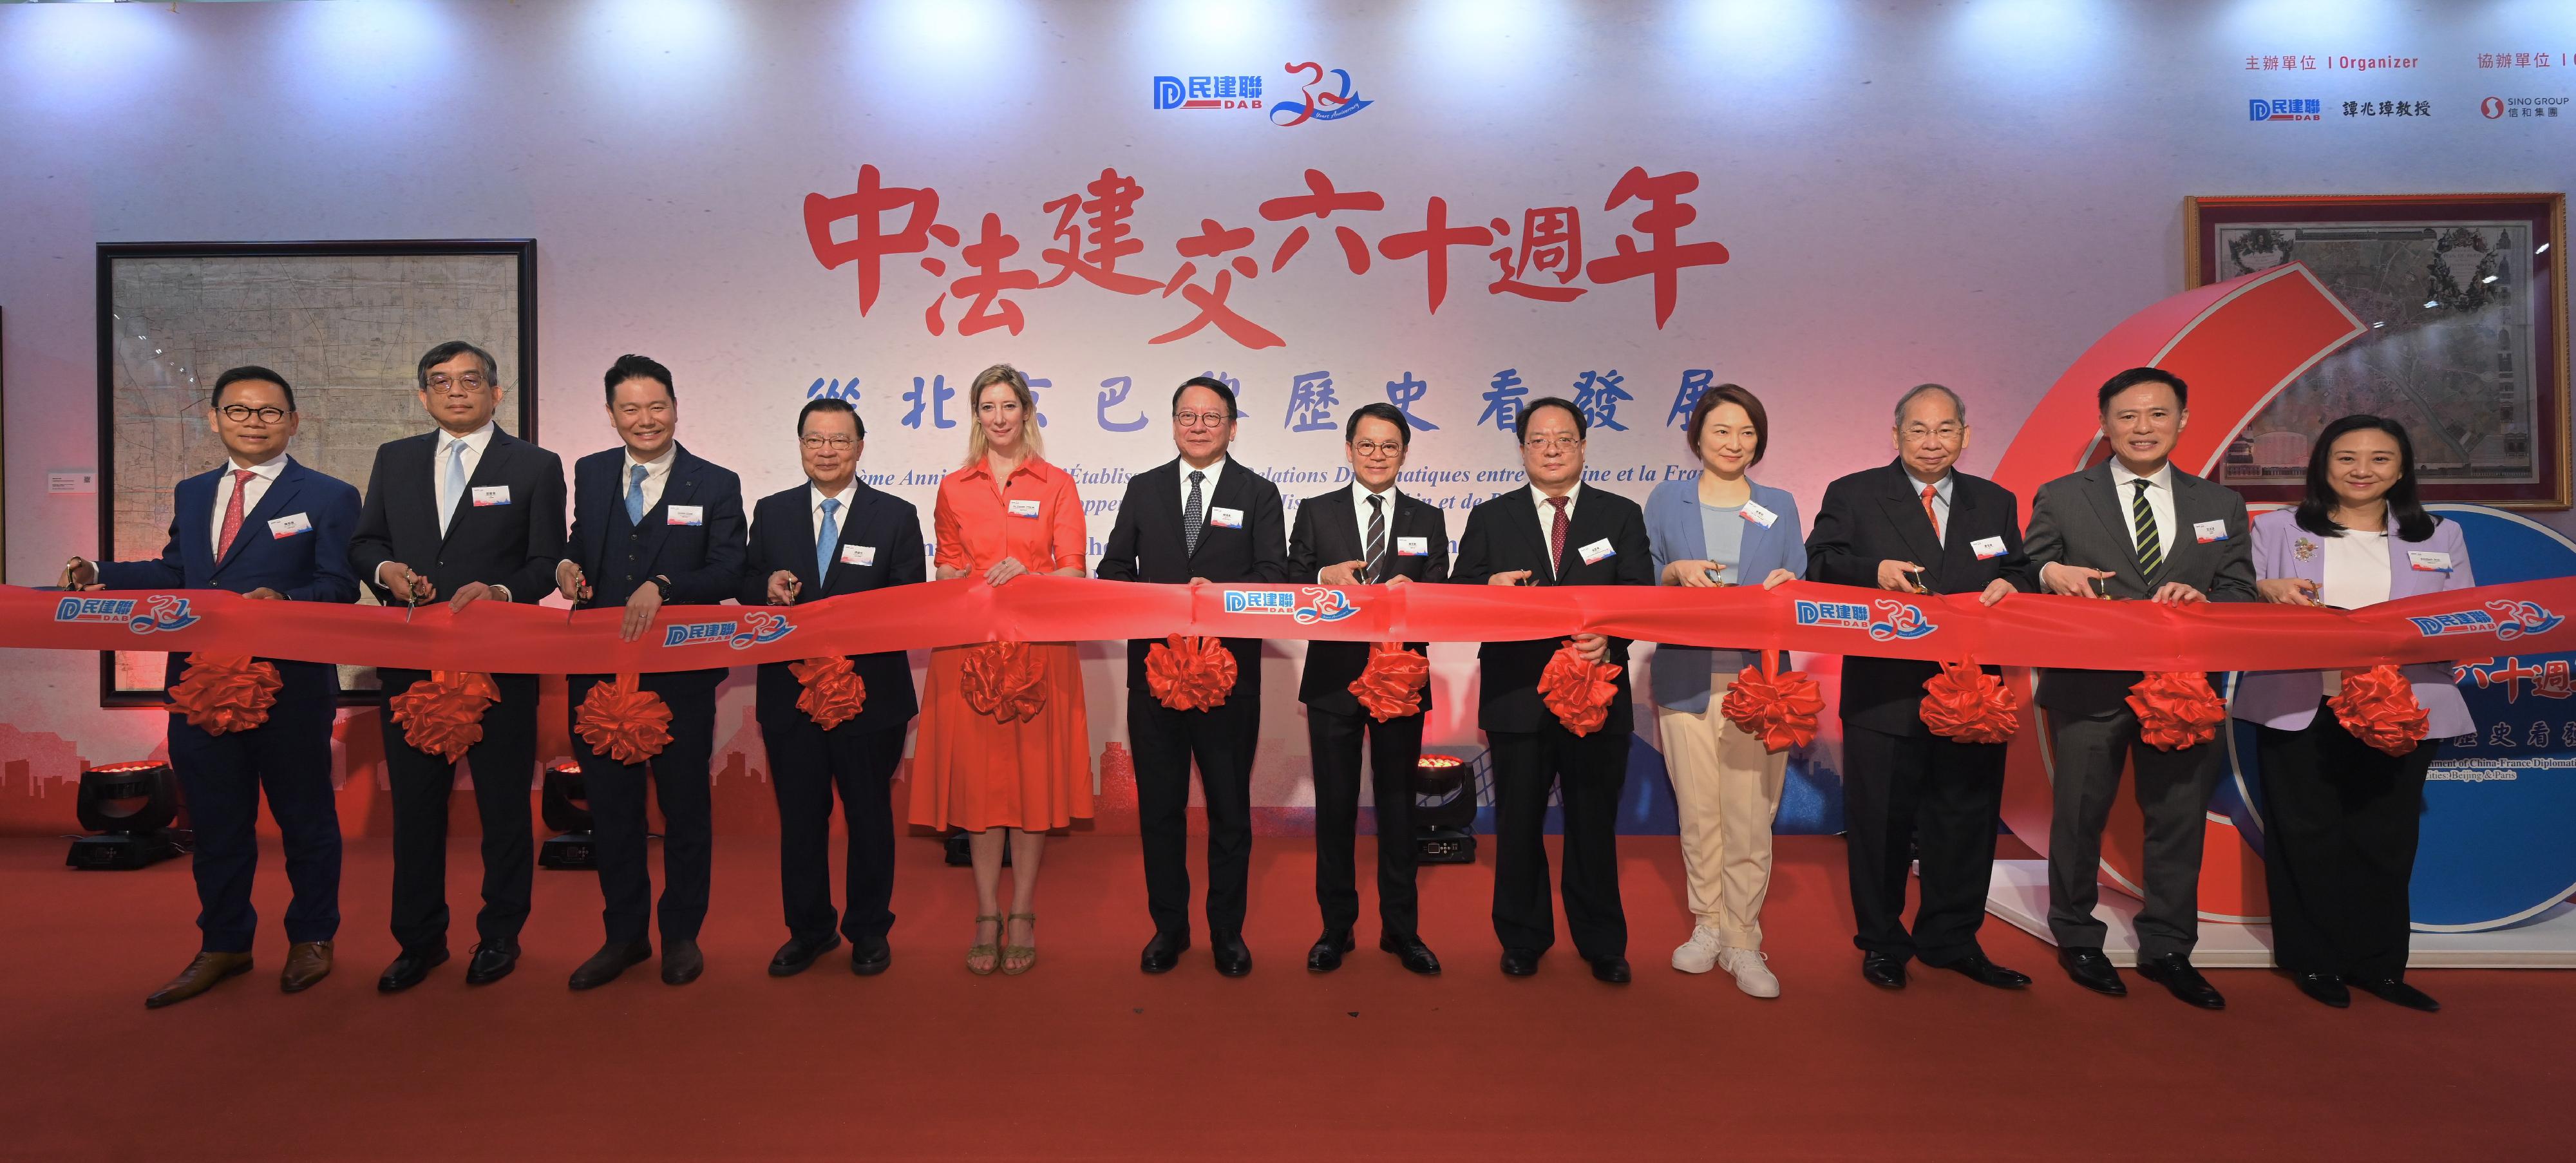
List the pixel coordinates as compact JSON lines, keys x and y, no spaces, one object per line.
{"x":1007,"y":512}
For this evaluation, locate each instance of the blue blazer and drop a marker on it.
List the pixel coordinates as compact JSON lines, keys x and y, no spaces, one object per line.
{"x":1680,"y":679}
{"x":311,"y":566}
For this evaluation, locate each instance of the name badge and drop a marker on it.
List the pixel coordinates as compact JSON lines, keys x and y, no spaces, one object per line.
{"x":1226,"y":518}
{"x":2424,"y":560}
{"x":686,"y":515}
{"x":2208,"y":531}
{"x":1985,"y":547}
{"x":1027,"y":509}
{"x":485,"y":495}
{"x":294,"y":523}
{"x":1597,"y":552}
{"x":1754,"y":512}
{"x":858,"y":555}
{"x":1412,"y":547}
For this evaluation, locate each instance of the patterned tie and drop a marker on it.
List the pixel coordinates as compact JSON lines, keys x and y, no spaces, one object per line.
{"x":1930,"y":492}
{"x":1376,"y":541}
{"x":2151,"y":553}
{"x":830,"y":539}
{"x":635,"y":495}
{"x":1556,"y":536}
{"x":233,"y":512}
{"x":454,"y":489}
{"x":1192,"y":515}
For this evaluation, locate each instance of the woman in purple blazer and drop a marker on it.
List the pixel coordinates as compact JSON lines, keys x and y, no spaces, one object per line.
{"x":2339,"y":816}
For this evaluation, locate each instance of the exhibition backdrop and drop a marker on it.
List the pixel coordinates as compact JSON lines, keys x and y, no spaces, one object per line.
{"x":1453,"y":206}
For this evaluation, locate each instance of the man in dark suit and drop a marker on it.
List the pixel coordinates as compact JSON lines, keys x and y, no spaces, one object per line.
{"x":1198,"y":518}
{"x":1918,"y":525}
{"x":467,"y":512}
{"x":651,"y":523}
{"x":1555,"y":532}
{"x":1367,"y":534}
{"x":264,"y":527}
{"x":830,"y":536}
{"x":2133,"y":527}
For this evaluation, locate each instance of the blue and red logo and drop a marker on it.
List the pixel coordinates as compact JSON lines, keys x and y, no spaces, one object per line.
{"x":753,"y":629}
{"x":2505,"y":618}
{"x":143,"y":616}
{"x":1885,"y":619}
{"x":1208,"y":92}
{"x":1314,"y":106}
{"x":1307,"y":606}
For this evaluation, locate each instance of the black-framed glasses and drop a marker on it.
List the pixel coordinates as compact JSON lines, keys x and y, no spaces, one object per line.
{"x":242,"y":413}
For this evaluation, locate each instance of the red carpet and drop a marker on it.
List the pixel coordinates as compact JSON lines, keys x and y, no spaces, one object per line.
{"x":1087,"y":1058}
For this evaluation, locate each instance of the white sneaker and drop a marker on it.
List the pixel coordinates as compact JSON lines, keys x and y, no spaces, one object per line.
{"x":1699,"y":954}
{"x":1751,"y":975}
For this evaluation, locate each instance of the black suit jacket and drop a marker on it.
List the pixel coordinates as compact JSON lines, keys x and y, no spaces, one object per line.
{"x":1145,"y":544}
{"x":1328,"y":532}
{"x":2081,"y":519}
{"x":704,"y":561}
{"x":1503,"y":535}
{"x":1877,"y":515}
{"x":515,"y":545}
{"x":782,"y":537}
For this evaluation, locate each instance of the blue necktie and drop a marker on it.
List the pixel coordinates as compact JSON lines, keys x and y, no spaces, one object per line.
{"x":831,"y":537}
{"x":454,"y":490}
{"x":635,"y":495}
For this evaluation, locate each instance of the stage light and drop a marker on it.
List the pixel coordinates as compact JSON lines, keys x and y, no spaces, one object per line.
{"x":565,"y":805}
{"x":959,"y":849}
{"x":131,"y":805}
{"x":1444,"y":810}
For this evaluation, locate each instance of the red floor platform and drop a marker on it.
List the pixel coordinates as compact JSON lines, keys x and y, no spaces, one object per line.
{"x":1086,"y":1058}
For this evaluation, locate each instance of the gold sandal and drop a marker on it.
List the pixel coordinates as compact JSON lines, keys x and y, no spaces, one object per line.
{"x":1011,"y":952}
{"x":991,"y":953}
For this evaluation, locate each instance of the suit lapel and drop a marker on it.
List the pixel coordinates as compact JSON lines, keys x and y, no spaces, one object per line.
{"x":488,"y":470}
{"x":860,"y":498}
{"x":1903,"y":503}
{"x":2104,"y":491}
{"x":196,"y":495}
{"x":280,"y":493}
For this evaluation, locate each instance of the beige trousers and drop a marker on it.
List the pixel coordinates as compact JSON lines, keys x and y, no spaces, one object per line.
{"x":1727,"y":791}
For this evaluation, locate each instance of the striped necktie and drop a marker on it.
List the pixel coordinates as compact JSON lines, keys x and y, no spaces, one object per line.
{"x":1376,"y":541}
{"x":2151,"y":552}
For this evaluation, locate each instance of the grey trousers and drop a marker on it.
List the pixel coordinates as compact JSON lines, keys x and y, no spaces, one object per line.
{"x":2173,"y":789}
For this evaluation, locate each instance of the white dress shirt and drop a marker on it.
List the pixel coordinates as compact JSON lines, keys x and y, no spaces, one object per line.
{"x":1547,"y":514}
{"x":1941,"y":490}
{"x":1360,"y":514}
{"x":1207,"y":488}
{"x":475,"y":442}
{"x":814,"y":496}
{"x":252,"y":490}
{"x":2160,"y":501}
{"x":657,"y":472}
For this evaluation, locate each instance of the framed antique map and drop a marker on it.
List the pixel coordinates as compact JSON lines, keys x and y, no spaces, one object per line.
{"x":344,"y":322}
{"x":2467,"y":344}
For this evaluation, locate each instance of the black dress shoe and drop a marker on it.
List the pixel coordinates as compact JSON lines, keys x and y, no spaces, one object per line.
{"x":870,"y":957}
{"x":604,"y":966}
{"x":1976,"y":968}
{"x":681,"y":961}
{"x":1164,"y":952}
{"x":1610,"y":969}
{"x":1326,"y":956}
{"x":2395,"y":991}
{"x":2324,"y":987}
{"x":410,"y":969}
{"x":1881,"y":970}
{"x":800,"y":952}
{"x":1415,"y":955}
{"x":1233,"y":958}
{"x":2174,"y":972}
{"x":492,"y":961}
{"x":1519,"y":964}
{"x":2090,"y":969}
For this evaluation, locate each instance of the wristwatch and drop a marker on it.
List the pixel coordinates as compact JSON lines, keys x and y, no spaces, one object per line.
{"x":663,"y":584}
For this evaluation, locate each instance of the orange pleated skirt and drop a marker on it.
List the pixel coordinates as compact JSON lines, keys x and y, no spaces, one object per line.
{"x":970,"y":771}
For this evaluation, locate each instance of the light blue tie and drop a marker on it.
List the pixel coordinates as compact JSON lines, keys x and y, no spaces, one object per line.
{"x":831,"y":537}
{"x":454,"y":490}
{"x":635,"y":496}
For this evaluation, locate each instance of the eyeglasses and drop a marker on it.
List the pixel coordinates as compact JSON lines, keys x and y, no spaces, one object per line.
{"x":1372,"y":448}
{"x":1200,"y":419}
{"x":467,"y":383}
{"x":836,"y":443}
{"x":1553,"y":443}
{"x":1945,"y":433}
{"x":242,"y":414}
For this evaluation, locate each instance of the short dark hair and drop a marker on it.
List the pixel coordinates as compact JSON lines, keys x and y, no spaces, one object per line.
{"x":828,"y":404}
{"x":2405,"y":507}
{"x":450,"y":350}
{"x":2142,"y":375}
{"x":1520,"y":423}
{"x":638,"y":367}
{"x":1212,"y":384}
{"x":1381,"y":411}
{"x":250,"y":373}
{"x":1741,"y":397}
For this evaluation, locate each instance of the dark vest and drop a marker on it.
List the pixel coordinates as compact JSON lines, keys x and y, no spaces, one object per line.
{"x":622,"y":567}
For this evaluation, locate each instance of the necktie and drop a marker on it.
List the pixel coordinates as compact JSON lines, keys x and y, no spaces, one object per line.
{"x":830,"y":538}
{"x":2151,"y":552}
{"x":233,"y":512}
{"x":1930,"y":492}
{"x":453,"y":490}
{"x":1556,"y":536}
{"x":1192,"y":515}
{"x":1376,"y":541}
{"x":635,"y":495}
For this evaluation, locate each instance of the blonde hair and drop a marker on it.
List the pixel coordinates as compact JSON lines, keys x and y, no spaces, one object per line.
{"x":1002,"y":373}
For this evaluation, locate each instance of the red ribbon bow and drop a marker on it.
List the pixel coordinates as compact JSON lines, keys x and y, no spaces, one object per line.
{"x":1777,"y":706}
{"x":223,"y":693}
{"x":833,"y":694}
{"x":1193,"y":673}
{"x":1390,"y":686}
{"x":1577,"y":692}
{"x":443,"y":714}
{"x":1965,"y":703}
{"x":2378,"y":706}
{"x":623,"y":721}
{"x":1004,"y":680}
{"x":2176,"y":709}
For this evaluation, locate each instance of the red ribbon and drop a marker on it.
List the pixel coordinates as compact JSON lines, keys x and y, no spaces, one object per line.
{"x":834,"y":693}
{"x":1004,"y":680}
{"x":1390,"y":686}
{"x":2378,"y":706}
{"x":623,"y":721}
{"x":2176,"y":709}
{"x":221,"y":694}
{"x":1778,"y":707}
{"x":443,"y":714}
{"x":1192,"y":673}
{"x":1577,"y":692}
{"x":1965,"y":703}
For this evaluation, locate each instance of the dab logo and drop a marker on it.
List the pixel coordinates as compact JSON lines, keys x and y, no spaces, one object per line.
{"x":1887,"y":619}
{"x":1313,"y":106}
{"x":2505,"y":618}
{"x":145,"y":616}
{"x":1307,"y":606}
{"x":753,"y":629}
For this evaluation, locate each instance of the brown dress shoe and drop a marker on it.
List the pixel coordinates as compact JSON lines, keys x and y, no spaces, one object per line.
{"x":307,"y":962}
{"x":200,"y":976}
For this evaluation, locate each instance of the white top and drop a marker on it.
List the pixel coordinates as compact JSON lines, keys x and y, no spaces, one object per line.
{"x":263,"y":475}
{"x":814,"y":496}
{"x":2356,"y":575}
{"x":1360,"y":513}
{"x":1207,"y":486}
{"x":1941,"y":490}
{"x":657,"y":472}
{"x":1547,"y":512}
{"x":2159,"y":501}
{"x":475,"y":442}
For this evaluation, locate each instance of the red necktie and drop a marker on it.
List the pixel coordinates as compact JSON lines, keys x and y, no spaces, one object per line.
{"x":233,"y":513}
{"x":1928,"y":493}
{"x":1556,"y":536}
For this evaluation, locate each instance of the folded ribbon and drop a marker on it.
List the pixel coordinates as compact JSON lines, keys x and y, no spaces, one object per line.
{"x":1391,"y":685}
{"x":1778,"y":707}
{"x":1577,"y":692}
{"x":1191,"y":673}
{"x":623,"y":721}
{"x":834,"y":693}
{"x":221,"y":694}
{"x":443,"y":714}
{"x":2378,"y":706}
{"x":1004,"y":680}
{"x":1965,"y":703}
{"x":2176,"y":709}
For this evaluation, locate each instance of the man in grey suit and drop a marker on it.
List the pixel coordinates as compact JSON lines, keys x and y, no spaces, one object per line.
{"x":2133,"y":527}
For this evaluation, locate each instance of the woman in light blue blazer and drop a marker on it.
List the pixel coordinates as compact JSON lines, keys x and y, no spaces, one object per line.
{"x":1721,"y":529}
{"x":2339,"y":816}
